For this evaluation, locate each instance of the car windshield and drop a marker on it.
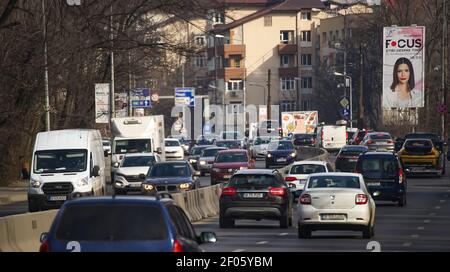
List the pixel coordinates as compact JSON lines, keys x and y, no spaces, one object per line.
{"x":253,"y":181}
{"x":379,"y":168}
{"x":280,"y":145}
{"x":306,"y":169}
{"x":334,"y":182}
{"x":172,"y":143}
{"x":232,"y":157}
{"x":133,"y":146}
{"x":229,"y":144}
{"x":169,"y":170}
{"x":106,"y":143}
{"x":197,"y":151}
{"x":260,"y":141}
{"x":60,"y":161}
{"x":116,"y":222}
{"x":210,"y":152}
{"x":380,"y":137}
{"x":140,"y":161}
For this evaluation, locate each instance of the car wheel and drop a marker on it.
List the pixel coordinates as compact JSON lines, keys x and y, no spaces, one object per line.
{"x":402,"y":201}
{"x":303,"y":232}
{"x":225,"y":223}
{"x":284,"y":221}
{"x":368,"y":232}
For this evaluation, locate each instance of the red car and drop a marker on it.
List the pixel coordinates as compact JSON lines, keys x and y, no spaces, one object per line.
{"x":228,"y":162}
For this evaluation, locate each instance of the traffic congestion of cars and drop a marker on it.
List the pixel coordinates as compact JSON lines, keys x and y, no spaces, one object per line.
{"x":319,"y":195}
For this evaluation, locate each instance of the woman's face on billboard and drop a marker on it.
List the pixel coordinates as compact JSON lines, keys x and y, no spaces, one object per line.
{"x":403,"y":73}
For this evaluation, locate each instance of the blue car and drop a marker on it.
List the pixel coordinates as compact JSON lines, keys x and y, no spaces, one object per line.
{"x":172,"y":177}
{"x":280,"y":153}
{"x":122,"y":224}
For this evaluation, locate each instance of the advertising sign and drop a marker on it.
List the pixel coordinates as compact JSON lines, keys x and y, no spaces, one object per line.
{"x":102,"y":103}
{"x":403,"y":69}
{"x":299,"y":122}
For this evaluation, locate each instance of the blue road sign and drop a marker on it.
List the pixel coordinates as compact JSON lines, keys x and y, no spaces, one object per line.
{"x":141,"y":92}
{"x":141,"y":104}
{"x":346,"y":112}
{"x":185,"y":97}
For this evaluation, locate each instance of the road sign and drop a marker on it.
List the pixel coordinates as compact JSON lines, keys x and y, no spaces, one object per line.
{"x":344,"y":102}
{"x":155,"y":97}
{"x":141,"y":104}
{"x":346,"y":112}
{"x":185,"y":97}
{"x":145,"y":92}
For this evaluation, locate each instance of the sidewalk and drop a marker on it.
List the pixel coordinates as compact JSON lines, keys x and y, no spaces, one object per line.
{"x":15,"y":192}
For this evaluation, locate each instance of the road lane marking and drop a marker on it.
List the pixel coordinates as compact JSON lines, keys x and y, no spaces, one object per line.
{"x":239,"y":250}
{"x":427,"y":221}
{"x":284,"y":234}
{"x":415,"y":236}
{"x":262,"y":243}
{"x":421,"y":228}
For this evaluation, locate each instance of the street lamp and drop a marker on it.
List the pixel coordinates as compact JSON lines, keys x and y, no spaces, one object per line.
{"x":216,"y":36}
{"x":351,"y":94}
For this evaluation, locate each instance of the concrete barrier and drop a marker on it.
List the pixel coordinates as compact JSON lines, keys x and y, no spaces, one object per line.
{"x":20,"y":233}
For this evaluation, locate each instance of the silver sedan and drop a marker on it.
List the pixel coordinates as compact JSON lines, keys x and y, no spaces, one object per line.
{"x":379,"y":141}
{"x":336,"y":201}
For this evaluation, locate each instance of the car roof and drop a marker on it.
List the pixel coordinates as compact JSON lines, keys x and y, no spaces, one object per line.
{"x":171,"y":162}
{"x":171,"y":139}
{"x":309,"y":162}
{"x":233,"y":151}
{"x":216,"y":147}
{"x":118,"y":199}
{"x":374,"y":132}
{"x":355,"y":147}
{"x":139,"y":154}
{"x":338,"y":174}
{"x":379,"y":154}
{"x":256,"y":172}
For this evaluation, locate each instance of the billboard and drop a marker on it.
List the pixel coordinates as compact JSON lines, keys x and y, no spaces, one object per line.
{"x":403,"y":67}
{"x":102,"y":103}
{"x":299,"y":122}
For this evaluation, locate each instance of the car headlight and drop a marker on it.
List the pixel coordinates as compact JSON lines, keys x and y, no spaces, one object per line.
{"x":202,"y":162}
{"x":119,"y":184}
{"x":269,"y":155}
{"x":294,"y":154}
{"x":193,"y":161}
{"x":36,"y":183}
{"x":185,"y":186}
{"x":83,"y":182}
{"x":148,"y":187}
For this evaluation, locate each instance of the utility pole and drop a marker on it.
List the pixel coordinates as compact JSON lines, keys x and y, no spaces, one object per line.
{"x":47,"y":95}
{"x":112,"y":99}
{"x":444,"y":67}
{"x":361,"y":90}
{"x":269,"y":98}
{"x":130,"y":109}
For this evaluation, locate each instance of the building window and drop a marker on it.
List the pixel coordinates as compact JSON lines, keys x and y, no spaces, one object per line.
{"x":287,"y":83}
{"x":306,"y":36}
{"x":234,"y":61}
{"x":337,"y":34}
{"x":235,"y":85}
{"x":306,"y":105}
{"x":288,"y":106}
{"x":287,"y":37}
{"x":199,"y":61}
{"x":331,"y":36}
{"x":218,"y":18}
{"x":306,"y":59}
{"x":306,"y":15}
{"x":307,"y":83}
{"x":268,"y":21}
{"x":324,"y":37}
{"x":200,"y":40}
{"x":286,"y":61}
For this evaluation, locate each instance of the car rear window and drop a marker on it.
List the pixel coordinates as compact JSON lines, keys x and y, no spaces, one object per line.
{"x":253,"y":181}
{"x":380,"y":137}
{"x":379,"y":168}
{"x":418,"y":144}
{"x":306,"y":169}
{"x":334,"y":182}
{"x":232,"y":157}
{"x":112,"y":223}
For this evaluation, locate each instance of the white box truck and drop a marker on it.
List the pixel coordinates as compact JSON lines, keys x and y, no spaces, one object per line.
{"x":136,"y":135}
{"x":331,"y":138}
{"x":66,"y":164}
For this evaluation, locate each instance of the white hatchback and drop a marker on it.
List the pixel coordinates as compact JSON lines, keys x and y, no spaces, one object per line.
{"x":336,"y":201}
{"x":297,"y":173}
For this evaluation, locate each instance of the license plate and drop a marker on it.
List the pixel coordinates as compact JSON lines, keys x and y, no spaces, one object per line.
{"x":373,"y":184}
{"x":253,"y":195}
{"x":282,"y":160}
{"x":227,"y":176}
{"x":417,"y":169}
{"x":333,"y":216}
{"x":135,"y":185}
{"x":353,"y":160}
{"x":57,"y":198}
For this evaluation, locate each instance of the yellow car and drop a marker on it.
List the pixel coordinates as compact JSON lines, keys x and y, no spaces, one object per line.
{"x":420,"y":156}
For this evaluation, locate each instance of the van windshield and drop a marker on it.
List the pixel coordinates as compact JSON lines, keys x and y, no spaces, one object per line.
{"x":60,"y":161}
{"x":133,"y":146}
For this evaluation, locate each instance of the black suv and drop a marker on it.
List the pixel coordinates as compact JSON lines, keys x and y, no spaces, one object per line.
{"x":256,"y":194}
{"x":384,"y":176}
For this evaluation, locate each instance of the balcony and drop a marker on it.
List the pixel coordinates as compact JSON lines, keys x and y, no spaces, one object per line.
{"x":288,"y":72}
{"x":287,"y":49}
{"x":230,"y":73}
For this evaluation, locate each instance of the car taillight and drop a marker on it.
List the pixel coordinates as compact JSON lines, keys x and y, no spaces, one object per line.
{"x":230,"y":191}
{"x":401,"y":175}
{"x":277,"y":191}
{"x":370,"y":142}
{"x":290,"y":179}
{"x":44,"y":246}
{"x":361,"y":199}
{"x":177,"y":247}
{"x":346,"y":136}
{"x":305,"y":199}
{"x":390,"y":142}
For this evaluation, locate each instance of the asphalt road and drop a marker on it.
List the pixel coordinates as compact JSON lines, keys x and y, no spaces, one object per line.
{"x":422,"y":225}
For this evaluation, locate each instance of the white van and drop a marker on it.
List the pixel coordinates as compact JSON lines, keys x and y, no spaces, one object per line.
{"x":66,"y":164}
{"x":331,"y":138}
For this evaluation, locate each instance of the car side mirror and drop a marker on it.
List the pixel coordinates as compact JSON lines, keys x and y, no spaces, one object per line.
{"x":96,"y":171}
{"x":43,"y":237}
{"x":142,"y":176}
{"x":116,"y":165}
{"x":208,"y":237}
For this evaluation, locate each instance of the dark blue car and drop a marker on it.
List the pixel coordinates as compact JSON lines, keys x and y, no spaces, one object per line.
{"x":122,"y":224}
{"x":172,"y":177}
{"x":280,"y":153}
